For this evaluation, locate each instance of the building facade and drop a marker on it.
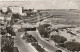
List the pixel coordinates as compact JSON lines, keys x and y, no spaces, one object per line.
{"x":16,"y":9}
{"x":4,"y":9}
{"x":5,"y":17}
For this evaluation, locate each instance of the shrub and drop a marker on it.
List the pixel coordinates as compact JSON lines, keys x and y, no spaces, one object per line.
{"x":38,"y":47}
{"x":72,"y":46}
{"x":58,"y":39}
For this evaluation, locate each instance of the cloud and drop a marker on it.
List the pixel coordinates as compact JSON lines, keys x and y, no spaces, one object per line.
{"x":43,"y":4}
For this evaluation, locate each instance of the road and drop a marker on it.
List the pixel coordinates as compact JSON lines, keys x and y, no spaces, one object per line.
{"x":45,"y":44}
{"x":22,"y":46}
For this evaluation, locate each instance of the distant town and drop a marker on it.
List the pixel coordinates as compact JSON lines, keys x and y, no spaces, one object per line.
{"x":38,"y":30}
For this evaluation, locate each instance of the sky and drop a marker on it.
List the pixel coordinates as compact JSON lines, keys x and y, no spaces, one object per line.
{"x":42,"y":4}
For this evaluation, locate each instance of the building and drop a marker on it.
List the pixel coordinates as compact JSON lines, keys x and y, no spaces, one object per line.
{"x":5,"y":17}
{"x":2,"y":17}
{"x":4,"y":9}
{"x":23,"y":14}
{"x":16,"y":9}
{"x":8,"y":17}
{"x":34,"y":10}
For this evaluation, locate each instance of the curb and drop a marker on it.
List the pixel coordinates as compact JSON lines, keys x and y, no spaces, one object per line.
{"x":43,"y":48}
{"x":32,"y":47}
{"x":50,"y":42}
{"x":29,"y":44}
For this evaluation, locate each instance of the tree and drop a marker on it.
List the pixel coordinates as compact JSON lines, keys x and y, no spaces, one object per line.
{"x":10,"y":31}
{"x":43,"y":30}
{"x":46,"y":25}
{"x":40,"y":13}
{"x":72,"y":46}
{"x":7,"y":44}
{"x":15,"y":16}
{"x":3,"y":31}
{"x":58,"y":39}
{"x":29,"y":13}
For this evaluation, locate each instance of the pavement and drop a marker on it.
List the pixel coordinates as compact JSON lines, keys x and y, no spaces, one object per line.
{"x":32,"y":47}
{"x":21,"y":45}
{"x":47,"y":45}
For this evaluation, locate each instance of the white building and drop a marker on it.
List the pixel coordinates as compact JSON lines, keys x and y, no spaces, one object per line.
{"x":4,"y":9}
{"x":16,"y":9}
